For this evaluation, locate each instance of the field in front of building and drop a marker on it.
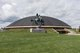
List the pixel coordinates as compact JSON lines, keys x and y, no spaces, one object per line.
{"x":26,"y":42}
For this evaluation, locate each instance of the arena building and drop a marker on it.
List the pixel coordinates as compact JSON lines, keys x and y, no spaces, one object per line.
{"x":47,"y":23}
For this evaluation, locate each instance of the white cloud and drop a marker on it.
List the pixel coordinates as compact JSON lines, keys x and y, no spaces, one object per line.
{"x":66,"y":10}
{"x":7,"y":10}
{"x":4,"y":24}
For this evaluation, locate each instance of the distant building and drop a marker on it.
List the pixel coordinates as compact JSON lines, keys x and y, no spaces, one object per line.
{"x":1,"y":29}
{"x":79,"y":28}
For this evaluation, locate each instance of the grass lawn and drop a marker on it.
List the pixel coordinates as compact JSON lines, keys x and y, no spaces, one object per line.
{"x":26,"y":42}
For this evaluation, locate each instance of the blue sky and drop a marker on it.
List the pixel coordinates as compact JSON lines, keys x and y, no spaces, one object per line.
{"x":65,"y":10}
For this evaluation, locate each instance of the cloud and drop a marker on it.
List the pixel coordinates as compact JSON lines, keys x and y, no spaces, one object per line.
{"x":7,"y":10}
{"x":11,"y":19}
{"x":65,"y":10}
{"x":3,"y":24}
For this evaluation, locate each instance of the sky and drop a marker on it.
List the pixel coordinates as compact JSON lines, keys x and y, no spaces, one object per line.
{"x":65,"y":10}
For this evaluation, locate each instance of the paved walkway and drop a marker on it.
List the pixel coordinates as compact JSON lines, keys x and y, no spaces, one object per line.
{"x":73,"y":34}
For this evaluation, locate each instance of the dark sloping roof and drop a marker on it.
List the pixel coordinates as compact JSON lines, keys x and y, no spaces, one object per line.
{"x":48,"y":21}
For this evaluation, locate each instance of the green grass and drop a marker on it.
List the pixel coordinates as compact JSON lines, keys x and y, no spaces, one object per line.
{"x":26,"y":42}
